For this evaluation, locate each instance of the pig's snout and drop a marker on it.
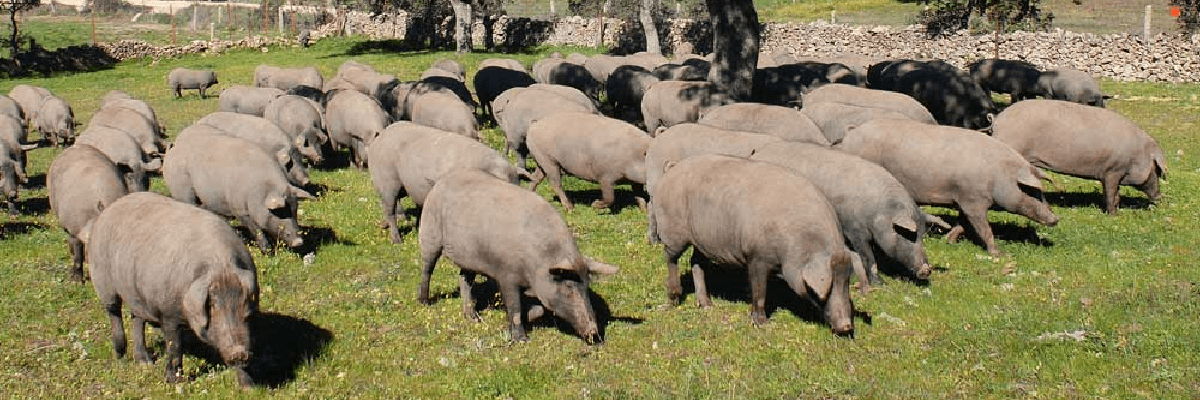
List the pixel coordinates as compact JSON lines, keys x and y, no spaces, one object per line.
{"x":238,"y":356}
{"x":924,"y":270}
{"x":295,"y":242}
{"x":1050,"y":220}
{"x":843,"y":328}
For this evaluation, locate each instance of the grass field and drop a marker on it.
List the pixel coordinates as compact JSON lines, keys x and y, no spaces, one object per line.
{"x":1096,"y":307}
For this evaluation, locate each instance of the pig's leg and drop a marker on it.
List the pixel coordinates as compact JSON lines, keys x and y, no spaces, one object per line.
{"x":702,"y":298}
{"x":867,"y":270}
{"x":536,"y":178}
{"x":429,"y":259}
{"x":174,"y":356}
{"x":118,"y":327}
{"x":388,"y":200}
{"x":1111,"y":184}
{"x":554,"y":173}
{"x":138,"y":330}
{"x":264,"y":244}
{"x":77,"y":252}
{"x":607,"y":197}
{"x":975,"y":213}
{"x":639,"y":191}
{"x":760,"y":272}
{"x":466,"y":280}
{"x":511,"y":294}
{"x":674,"y":289}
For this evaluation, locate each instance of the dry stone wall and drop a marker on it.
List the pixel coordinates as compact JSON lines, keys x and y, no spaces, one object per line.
{"x":1121,"y":57}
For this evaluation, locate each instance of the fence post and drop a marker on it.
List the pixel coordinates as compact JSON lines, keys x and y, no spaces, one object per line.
{"x":1146,"y":27}
{"x":93,"y":27}
{"x":280,"y":22}
{"x":171,"y":10}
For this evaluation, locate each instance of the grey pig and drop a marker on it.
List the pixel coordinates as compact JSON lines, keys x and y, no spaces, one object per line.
{"x":233,"y":177}
{"x":951,"y":166}
{"x":247,"y":100}
{"x":1086,"y":142}
{"x":760,"y":216}
{"x":1072,"y":85}
{"x":516,"y":109}
{"x":668,"y":103}
{"x":541,"y":256}
{"x":354,"y":121}
{"x":12,"y":176}
{"x":56,"y":121}
{"x":264,"y":134}
{"x":784,"y":122}
{"x":81,"y":182}
{"x":874,"y":98}
{"x":176,"y":266}
{"x":409,"y":159}
{"x":445,"y":112}
{"x":147,"y":133}
{"x":834,"y":118}
{"x":591,"y":147}
{"x":287,"y":78}
{"x":124,"y":152}
{"x":686,"y":140}
{"x":183,"y":78}
{"x":30,"y":99}
{"x":303,"y":122}
{"x":11,"y":108}
{"x":873,"y":208}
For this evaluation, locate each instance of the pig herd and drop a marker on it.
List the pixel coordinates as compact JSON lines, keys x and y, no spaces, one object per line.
{"x":820,"y":179}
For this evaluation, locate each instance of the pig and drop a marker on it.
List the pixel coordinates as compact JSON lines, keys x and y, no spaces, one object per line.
{"x":590,"y":147}
{"x":625,"y":88}
{"x":30,"y":99}
{"x":263,"y":134}
{"x":247,"y":100}
{"x":491,"y":81}
{"x":873,"y":208}
{"x":176,"y":266}
{"x":785,"y":122}
{"x":314,"y":94}
{"x":951,"y":166}
{"x":12,"y":176}
{"x":453,"y":67}
{"x":601,"y":66}
{"x":445,"y":112}
{"x":302,"y":121}
{"x":442,"y":83}
{"x":517,"y":109}
{"x":354,"y":121}
{"x":507,"y":63}
{"x":687,"y":140}
{"x":562,"y":72}
{"x":114,"y":95}
{"x":409,"y":159}
{"x":1018,"y":79}
{"x":950,"y":94}
{"x":1072,"y":85}
{"x":365,"y":79}
{"x":679,"y":72}
{"x":56,"y":121}
{"x":81,"y":182}
{"x":183,"y":78}
{"x":670,"y":103}
{"x":266,"y":76}
{"x":1086,"y":142}
{"x":784,"y":85}
{"x":12,"y":135}
{"x":147,"y":134}
{"x":139,"y":106}
{"x":874,"y":98}
{"x":758,"y":215}
{"x":124,"y":152}
{"x":11,"y":108}
{"x":541,"y":256}
{"x":234,"y":178}
{"x":833,"y":118}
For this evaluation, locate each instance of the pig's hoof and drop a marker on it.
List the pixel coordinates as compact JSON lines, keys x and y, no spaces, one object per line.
{"x":599,"y":204}
{"x":955,"y":232}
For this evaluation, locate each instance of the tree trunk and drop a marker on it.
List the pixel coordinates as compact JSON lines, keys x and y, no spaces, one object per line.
{"x":12,"y":39}
{"x":649,"y":26}
{"x":736,"y":34}
{"x":462,"y":25}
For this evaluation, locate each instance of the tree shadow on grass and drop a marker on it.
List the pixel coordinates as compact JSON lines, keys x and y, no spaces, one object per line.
{"x":387,"y":46}
{"x":17,"y":228}
{"x":280,"y":344}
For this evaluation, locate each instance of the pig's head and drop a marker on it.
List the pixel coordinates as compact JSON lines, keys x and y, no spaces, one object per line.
{"x":826,"y":282}
{"x":290,"y":160}
{"x":563,"y":289}
{"x":1027,"y":199}
{"x":898,"y":234}
{"x":309,"y":143}
{"x":281,"y":217}
{"x":1145,"y":171}
{"x":218,"y":306}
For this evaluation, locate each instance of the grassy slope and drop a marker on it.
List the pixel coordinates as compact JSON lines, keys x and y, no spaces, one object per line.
{"x":1128,"y":282}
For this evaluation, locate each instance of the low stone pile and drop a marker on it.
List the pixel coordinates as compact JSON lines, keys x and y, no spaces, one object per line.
{"x":127,"y":49}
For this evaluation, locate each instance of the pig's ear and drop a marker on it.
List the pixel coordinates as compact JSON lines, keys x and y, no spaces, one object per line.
{"x":599,"y":268}
{"x":905,"y":223}
{"x":275,"y":202}
{"x":1029,"y":177}
{"x":301,"y":193}
{"x":195,"y":302}
{"x":1161,"y":164}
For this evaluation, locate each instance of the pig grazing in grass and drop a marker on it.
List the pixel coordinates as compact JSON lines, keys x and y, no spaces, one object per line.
{"x":233,"y":177}
{"x":874,"y":98}
{"x":687,"y":140}
{"x":264,"y":134}
{"x":11,"y":108}
{"x":247,"y":99}
{"x":491,"y":227}
{"x":123,"y":151}
{"x":409,"y":159}
{"x":784,"y":122}
{"x":758,"y":215}
{"x":1084,"y":141}
{"x":950,"y":166}
{"x":147,"y":133}
{"x":516,"y":109}
{"x":1072,"y":85}
{"x":56,"y":121}
{"x":176,"y":266}
{"x":669,"y":103}
{"x":834,"y":118}
{"x":30,"y":99}
{"x":1017,"y":78}
{"x":445,"y":112}
{"x":355,"y":119}
{"x":287,"y":78}
{"x":81,"y":182}
{"x":873,"y":208}
{"x":183,"y":78}
{"x":591,"y":147}
{"x":303,"y":121}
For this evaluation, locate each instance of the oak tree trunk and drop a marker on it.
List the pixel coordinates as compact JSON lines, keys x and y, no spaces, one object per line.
{"x":736,"y":35}
{"x":649,"y":26}
{"x":462,"y":25}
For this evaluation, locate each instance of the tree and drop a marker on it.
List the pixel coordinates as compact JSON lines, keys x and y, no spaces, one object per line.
{"x":736,"y":34}
{"x":649,"y":26}
{"x":15,"y":7}
{"x":462,"y":25}
{"x":952,"y":15}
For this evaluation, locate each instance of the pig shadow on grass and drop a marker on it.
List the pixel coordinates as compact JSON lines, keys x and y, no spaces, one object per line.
{"x":34,"y":206}
{"x":1094,"y":200}
{"x":36,"y":182}
{"x":604,"y":317}
{"x":281,"y":344}
{"x":1025,"y":232}
{"x":317,"y":236}
{"x":334,"y":160}
{"x":622,"y":197}
{"x":9,"y":228}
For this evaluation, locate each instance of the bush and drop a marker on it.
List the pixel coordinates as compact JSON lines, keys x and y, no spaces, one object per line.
{"x":948,"y":16}
{"x":1189,"y":14}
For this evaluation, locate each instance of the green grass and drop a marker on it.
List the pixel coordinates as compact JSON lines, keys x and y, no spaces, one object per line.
{"x":1127,"y":282}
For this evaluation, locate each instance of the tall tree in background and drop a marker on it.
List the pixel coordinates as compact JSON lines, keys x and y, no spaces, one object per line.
{"x":952,"y":15}
{"x":15,"y":7}
{"x":649,"y":26}
{"x":462,"y":25}
{"x":736,"y":34}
